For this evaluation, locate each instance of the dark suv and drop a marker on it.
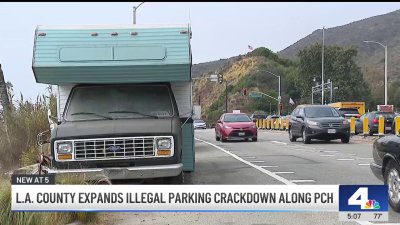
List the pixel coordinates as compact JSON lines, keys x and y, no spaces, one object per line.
{"x":373,"y":122}
{"x":318,"y":122}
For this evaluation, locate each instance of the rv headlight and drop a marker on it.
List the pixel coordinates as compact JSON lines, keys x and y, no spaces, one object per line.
{"x":63,"y":148}
{"x":164,"y":143}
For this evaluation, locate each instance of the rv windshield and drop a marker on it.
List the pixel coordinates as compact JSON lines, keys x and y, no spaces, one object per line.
{"x":119,"y":102}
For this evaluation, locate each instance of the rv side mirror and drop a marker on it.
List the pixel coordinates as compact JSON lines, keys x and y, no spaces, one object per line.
{"x":254,"y":120}
{"x":219,"y":121}
{"x":300,"y":117}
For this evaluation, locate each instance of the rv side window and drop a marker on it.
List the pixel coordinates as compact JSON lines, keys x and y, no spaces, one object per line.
{"x":119,"y":102}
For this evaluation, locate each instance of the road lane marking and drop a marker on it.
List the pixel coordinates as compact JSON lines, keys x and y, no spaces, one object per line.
{"x":352,"y":154}
{"x":365,"y":158}
{"x":327,"y":155}
{"x":283,"y":180}
{"x":257,"y":161}
{"x":329,"y":151}
{"x":363,"y":164}
{"x":302,"y":181}
{"x":259,"y":168}
{"x":369,"y":223}
{"x":248,"y":157}
{"x":345,"y":159}
{"x":283,"y":172}
{"x":278,"y":142}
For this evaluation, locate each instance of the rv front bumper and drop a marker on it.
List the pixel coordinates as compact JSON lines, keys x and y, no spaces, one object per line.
{"x":123,"y":173}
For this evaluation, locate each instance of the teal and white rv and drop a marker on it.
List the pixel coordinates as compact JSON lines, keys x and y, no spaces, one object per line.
{"x":124,"y":99}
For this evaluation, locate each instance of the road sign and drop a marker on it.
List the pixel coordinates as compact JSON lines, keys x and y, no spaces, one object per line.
{"x":255,"y":95}
{"x":214,"y":78}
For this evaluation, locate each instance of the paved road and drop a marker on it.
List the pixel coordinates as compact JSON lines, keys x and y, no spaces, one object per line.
{"x":272,"y":160}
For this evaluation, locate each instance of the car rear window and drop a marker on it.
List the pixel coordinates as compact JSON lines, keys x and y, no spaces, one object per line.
{"x":236,"y":118}
{"x":385,"y":115}
{"x":348,"y":111}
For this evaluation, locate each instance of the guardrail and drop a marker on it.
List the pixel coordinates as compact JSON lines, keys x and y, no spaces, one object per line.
{"x":273,"y":124}
{"x":283,"y":124}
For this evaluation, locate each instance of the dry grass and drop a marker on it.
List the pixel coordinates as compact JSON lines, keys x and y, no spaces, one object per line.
{"x":7,"y":217}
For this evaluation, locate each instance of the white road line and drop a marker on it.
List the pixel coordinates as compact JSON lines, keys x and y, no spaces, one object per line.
{"x":257,"y":161}
{"x":278,"y":142}
{"x":281,"y":179}
{"x":344,"y":159}
{"x":363,"y":164}
{"x":269,"y":173}
{"x":352,"y":154}
{"x":288,"y":172}
{"x":302,"y":181}
{"x":365,"y":223}
{"x":369,"y":223}
{"x":248,"y":157}
{"x":330,"y":151}
{"x":365,"y":158}
{"x":269,"y":166}
{"x":327,"y":155}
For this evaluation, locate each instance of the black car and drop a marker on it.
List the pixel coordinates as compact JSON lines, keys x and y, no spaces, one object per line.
{"x":258,"y":116}
{"x":318,"y":122}
{"x":386,"y":166}
{"x":373,"y":122}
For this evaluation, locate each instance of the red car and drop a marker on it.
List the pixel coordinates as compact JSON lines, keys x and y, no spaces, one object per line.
{"x":235,"y":126}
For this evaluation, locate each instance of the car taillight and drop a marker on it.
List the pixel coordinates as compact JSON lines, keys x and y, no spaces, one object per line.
{"x":375,"y":121}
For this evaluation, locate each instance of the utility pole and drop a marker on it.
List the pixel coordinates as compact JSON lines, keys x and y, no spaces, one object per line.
{"x":134,"y":12}
{"x":226,"y":96}
{"x":323,"y":44}
{"x":331,"y":92}
{"x":386,"y":79}
{"x":385,"y":47}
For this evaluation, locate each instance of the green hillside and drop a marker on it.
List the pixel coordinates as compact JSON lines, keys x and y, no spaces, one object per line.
{"x":249,"y":72}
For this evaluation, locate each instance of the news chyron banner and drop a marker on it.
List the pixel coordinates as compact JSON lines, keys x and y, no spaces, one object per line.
{"x":353,"y":202}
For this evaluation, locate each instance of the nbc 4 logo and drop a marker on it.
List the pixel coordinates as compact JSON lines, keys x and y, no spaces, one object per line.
{"x":360,"y":197}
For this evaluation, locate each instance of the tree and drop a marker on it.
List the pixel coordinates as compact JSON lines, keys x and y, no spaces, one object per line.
{"x":339,"y":66}
{"x":4,"y":95}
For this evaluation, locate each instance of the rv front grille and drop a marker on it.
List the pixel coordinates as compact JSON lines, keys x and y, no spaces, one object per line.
{"x":114,"y":148}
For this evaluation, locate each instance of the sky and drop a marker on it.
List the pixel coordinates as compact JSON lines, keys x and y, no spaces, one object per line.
{"x":220,"y":30}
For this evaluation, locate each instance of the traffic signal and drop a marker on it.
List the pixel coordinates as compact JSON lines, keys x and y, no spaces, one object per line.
{"x":220,"y":78}
{"x":244,"y":92}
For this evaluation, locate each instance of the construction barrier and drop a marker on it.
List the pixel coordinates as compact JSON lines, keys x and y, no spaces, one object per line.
{"x":381,"y":129}
{"x":282,"y":125}
{"x":268,"y":124}
{"x":397,"y":124}
{"x":352,"y":126}
{"x":276,"y":124}
{"x":287,"y":124}
{"x":365,"y":126}
{"x":264,"y":126}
